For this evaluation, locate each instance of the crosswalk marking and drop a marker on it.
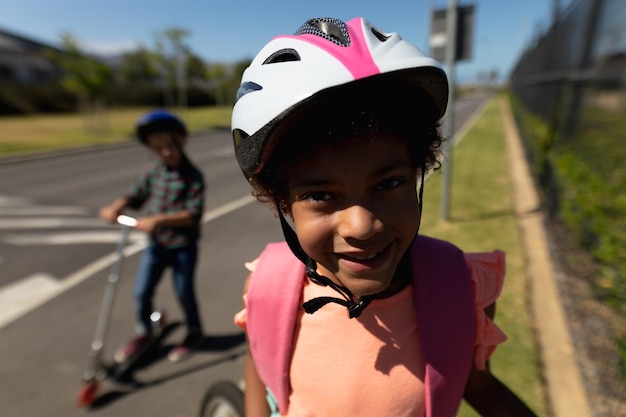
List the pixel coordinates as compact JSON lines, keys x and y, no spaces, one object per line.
{"x":49,"y":222}
{"x":7,"y":200}
{"x":25,"y":295}
{"x":41,"y":210}
{"x":21,"y":296}
{"x":71,"y":238}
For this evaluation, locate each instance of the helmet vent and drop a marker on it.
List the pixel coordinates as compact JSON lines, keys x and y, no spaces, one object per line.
{"x":329,"y":28}
{"x":381,"y":36}
{"x":246,"y":88}
{"x":283,"y":55}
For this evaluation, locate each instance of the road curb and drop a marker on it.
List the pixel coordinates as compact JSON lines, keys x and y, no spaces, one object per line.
{"x":34,"y":156}
{"x":565,"y":390}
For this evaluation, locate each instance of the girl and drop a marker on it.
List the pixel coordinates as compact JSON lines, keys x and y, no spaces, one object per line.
{"x":357,"y":314}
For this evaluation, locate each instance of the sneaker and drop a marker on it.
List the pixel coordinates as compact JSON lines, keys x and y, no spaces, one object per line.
{"x":184,"y":350}
{"x":133,"y":348}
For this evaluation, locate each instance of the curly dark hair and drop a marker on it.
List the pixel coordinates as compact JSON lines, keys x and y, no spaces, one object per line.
{"x":407,"y":112}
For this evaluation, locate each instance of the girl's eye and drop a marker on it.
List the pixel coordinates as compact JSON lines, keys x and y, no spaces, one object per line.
{"x":317,"y":196}
{"x":389,"y":184}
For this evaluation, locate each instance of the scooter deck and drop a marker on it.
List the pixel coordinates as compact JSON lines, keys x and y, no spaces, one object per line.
{"x":122,"y":372}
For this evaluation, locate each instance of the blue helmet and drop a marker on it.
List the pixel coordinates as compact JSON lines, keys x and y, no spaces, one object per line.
{"x":159,"y":121}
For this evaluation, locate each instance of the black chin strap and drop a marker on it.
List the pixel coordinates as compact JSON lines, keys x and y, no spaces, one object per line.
{"x":355,"y":308}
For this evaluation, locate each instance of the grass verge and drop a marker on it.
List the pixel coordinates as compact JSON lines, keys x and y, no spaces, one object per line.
{"x":37,"y":133}
{"x":482,"y":218}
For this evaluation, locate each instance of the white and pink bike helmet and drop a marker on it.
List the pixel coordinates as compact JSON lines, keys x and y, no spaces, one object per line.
{"x":323,"y":54}
{"x":326,"y":57}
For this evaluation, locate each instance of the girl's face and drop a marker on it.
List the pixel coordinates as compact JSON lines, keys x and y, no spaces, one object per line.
{"x":355,"y":209}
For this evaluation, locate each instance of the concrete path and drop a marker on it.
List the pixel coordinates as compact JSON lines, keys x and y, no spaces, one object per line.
{"x":565,"y":389}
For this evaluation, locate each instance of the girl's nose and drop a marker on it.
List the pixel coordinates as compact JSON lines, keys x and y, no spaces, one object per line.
{"x":358,"y":222}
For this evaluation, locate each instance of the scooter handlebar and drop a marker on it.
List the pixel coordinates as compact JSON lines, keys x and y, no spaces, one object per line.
{"x":126,"y":220}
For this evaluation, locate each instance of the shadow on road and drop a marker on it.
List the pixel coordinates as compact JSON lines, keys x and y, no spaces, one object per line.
{"x":210,"y":344}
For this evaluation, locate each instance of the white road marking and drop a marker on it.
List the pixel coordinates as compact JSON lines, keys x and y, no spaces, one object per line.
{"x":21,"y":297}
{"x":469,"y":123}
{"x":106,"y":236}
{"x":226,"y":208}
{"x":6,"y":200}
{"x":49,"y":222}
{"x":39,"y":210}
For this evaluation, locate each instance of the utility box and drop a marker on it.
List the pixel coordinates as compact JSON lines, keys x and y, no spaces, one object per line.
{"x":464,"y":33}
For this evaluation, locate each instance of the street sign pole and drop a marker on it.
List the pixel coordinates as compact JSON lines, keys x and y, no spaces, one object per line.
{"x":451,"y":42}
{"x":448,"y":126}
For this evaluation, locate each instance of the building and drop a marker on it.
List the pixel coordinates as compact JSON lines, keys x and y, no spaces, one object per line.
{"x":26,"y":61}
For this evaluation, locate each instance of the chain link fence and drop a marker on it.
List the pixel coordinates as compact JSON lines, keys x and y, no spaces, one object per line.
{"x":569,"y":97}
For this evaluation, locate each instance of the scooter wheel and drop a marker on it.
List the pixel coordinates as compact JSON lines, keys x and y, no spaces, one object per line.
{"x":87,"y":394}
{"x":223,"y":399}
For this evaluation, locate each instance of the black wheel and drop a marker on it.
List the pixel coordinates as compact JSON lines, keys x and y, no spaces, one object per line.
{"x":223,"y":399}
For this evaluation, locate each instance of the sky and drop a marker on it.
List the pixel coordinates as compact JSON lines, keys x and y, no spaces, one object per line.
{"x":232,"y":30}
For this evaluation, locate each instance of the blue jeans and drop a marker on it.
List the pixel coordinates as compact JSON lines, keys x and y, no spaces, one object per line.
{"x":154,"y":260}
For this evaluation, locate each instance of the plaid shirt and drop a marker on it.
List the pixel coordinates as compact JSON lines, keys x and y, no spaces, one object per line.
{"x":167,"y":190}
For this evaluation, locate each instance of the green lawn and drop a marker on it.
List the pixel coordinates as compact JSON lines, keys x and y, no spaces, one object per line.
{"x":27,"y":134}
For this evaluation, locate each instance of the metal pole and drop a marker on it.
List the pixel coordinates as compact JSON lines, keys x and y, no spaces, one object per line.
{"x":448,"y":124}
{"x":181,"y":80}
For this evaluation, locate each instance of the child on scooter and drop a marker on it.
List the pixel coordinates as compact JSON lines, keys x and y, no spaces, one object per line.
{"x":173,"y":190}
{"x":357,"y":314}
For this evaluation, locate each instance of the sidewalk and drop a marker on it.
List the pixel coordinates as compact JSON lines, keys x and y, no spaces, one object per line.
{"x":565,"y":389}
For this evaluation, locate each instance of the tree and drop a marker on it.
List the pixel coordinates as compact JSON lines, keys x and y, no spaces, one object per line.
{"x":172,"y":54}
{"x":223,"y":80}
{"x":219,"y":81}
{"x":87,"y":77}
{"x":139,"y":67}
{"x":197,"y":70}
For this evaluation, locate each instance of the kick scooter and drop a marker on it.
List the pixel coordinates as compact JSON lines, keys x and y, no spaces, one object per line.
{"x":98,"y":370}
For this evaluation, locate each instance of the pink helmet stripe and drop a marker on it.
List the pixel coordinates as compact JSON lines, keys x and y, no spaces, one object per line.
{"x":356,"y":58}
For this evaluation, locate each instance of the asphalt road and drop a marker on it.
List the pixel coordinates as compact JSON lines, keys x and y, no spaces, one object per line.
{"x":55,"y":257}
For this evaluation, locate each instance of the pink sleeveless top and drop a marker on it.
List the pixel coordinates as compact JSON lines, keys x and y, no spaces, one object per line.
{"x":374,"y":365}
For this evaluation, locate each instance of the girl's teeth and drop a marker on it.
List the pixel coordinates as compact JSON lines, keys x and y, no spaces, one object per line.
{"x":365,"y":258}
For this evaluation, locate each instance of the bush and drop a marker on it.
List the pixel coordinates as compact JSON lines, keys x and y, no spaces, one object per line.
{"x":582,"y":178}
{"x":153,"y":96}
{"x":32,"y":99}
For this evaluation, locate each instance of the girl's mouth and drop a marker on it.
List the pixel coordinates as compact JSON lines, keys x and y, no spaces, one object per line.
{"x":365,"y":258}
{"x":364,"y":262}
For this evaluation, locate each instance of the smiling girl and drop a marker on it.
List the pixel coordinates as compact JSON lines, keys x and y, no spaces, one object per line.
{"x":357,"y":314}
